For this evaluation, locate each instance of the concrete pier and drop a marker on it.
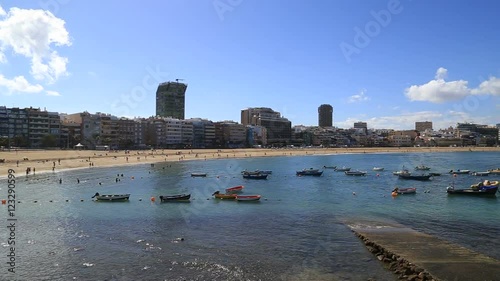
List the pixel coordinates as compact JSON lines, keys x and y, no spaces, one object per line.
{"x":418,"y":256}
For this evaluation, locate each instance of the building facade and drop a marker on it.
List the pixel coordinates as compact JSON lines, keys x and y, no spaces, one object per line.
{"x":325,"y":115}
{"x":170,"y":100}
{"x":422,"y":126}
{"x":279,"y":129}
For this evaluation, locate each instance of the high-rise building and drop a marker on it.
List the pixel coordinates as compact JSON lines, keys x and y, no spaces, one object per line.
{"x":325,"y":115}
{"x":361,"y":125}
{"x":279,"y":129}
{"x":170,"y":100}
{"x":422,"y":126}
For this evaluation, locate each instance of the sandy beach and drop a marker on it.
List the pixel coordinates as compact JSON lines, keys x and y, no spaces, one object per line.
{"x":38,"y":161}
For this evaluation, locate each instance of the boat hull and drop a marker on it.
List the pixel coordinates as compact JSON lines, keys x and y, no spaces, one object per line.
{"x":225,"y":196}
{"x":412,"y":177}
{"x":110,"y":197}
{"x":235,"y":189}
{"x":248,"y":197}
{"x":255,"y":176}
{"x":348,"y":173}
{"x":175,"y":198}
{"x":472,"y":191}
{"x":199,"y":175}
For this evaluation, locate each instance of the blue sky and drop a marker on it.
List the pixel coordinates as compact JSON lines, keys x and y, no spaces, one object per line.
{"x":388,"y":63}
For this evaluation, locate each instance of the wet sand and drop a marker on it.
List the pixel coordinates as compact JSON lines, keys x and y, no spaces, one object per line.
{"x":39,"y":161}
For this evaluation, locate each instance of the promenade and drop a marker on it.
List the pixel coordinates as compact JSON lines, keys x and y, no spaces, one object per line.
{"x":418,"y":256}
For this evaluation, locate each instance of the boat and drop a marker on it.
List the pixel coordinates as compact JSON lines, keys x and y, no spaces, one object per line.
{"x":329,"y":167}
{"x":218,"y":195}
{"x":482,"y":188}
{"x":310,"y":172}
{"x":199,"y":174}
{"x":265,"y":172}
{"x":481,"y":174}
{"x":402,"y":171}
{"x":248,"y":197}
{"x":174,"y":198}
{"x":234,"y":189}
{"x":111,"y":197}
{"x":495,"y":171}
{"x":409,"y":190}
{"x":355,"y":173}
{"x":435,"y":174}
{"x":254,"y":176}
{"x":378,"y":168}
{"x":422,"y":168}
{"x":343,"y":169}
{"x":459,"y":172}
{"x":422,"y":177}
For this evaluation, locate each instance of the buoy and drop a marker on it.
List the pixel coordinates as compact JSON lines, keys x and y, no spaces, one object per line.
{"x":394,"y":194}
{"x":354,"y":193}
{"x":81,"y":200}
{"x":132,"y":177}
{"x":378,"y":175}
{"x":153,"y":199}
{"x":4,"y":201}
{"x":34,"y":201}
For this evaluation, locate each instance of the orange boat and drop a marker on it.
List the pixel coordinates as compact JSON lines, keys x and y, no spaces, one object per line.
{"x":224,"y":196}
{"x":235,"y":189}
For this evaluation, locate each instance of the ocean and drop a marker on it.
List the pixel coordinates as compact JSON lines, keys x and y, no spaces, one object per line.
{"x":299,"y":230}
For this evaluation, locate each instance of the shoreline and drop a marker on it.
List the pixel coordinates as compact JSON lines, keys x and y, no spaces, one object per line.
{"x":44,"y":161}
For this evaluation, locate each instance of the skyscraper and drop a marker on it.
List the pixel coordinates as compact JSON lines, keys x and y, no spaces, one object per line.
{"x":325,"y":115}
{"x":170,"y":100}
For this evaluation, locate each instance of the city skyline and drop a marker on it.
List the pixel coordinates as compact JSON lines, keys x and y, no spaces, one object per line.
{"x":375,"y":62}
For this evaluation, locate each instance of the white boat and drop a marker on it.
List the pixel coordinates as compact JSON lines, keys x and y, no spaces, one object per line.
{"x":111,"y":197}
{"x":248,"y":197}
{"x":481,"y":174}
{"x":378,"y":168}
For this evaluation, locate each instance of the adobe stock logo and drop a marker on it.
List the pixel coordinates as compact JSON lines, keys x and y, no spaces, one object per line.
{"x":363,"y":37}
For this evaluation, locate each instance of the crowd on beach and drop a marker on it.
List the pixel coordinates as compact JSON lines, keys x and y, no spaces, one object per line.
{"x":55,"y":160}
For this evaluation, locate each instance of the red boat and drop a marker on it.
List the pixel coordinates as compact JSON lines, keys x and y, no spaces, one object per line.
{"x":235,"y":189}
{"x":248,"y":197}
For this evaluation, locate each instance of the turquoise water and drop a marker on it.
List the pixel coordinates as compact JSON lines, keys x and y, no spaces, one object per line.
{"x":298,"y":231}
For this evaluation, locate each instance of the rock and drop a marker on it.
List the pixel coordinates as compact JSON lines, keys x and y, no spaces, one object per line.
{"x":380,"y":257}
{"x":412,"y":277}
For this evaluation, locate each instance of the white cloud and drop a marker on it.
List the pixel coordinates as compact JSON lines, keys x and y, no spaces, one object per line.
{"x":488,"y":87}
{"x":19,"y":84}
{"x":53,"y":93}
{"x":33,"y":33}
{"x":441,"y":73}
{"x":438,"y":90}
{"x":359,"y":97}
{"x":2,"y":12}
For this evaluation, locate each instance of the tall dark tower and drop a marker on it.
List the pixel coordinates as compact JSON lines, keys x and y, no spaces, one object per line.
{"x":325,"y":115}
{"x":170,"y":99}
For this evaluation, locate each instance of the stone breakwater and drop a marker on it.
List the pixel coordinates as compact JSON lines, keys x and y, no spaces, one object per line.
{"x":405,"y":269}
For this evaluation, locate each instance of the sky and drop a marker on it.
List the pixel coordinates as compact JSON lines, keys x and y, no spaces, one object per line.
{"x":389,"y":63}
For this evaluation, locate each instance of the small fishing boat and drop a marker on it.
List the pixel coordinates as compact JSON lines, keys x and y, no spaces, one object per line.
{"x":218,"y":195}
{"x":378,"y":168}
{"x":264,"y":172}
{"x":480,"y":174}
{"x":459,"y":172}
{"x":174,"y":198}
{"x":234,"y":189}
{"x":343,"y":169}
{"x":402,"y":171}
{"x":355,"y":173}
{"x":310,"y":172}
{"x":495,"y":171}
{"x":254,"y":176}
{"x":329,"y":167}
{"x":111,"y":197}
{"x":482,"y":188}
{"x":248,"y":197}
{"x":422,"y":168}
{"x":409,"y":190}
{"x":199,"y":175}
{"x":422,"y":177}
